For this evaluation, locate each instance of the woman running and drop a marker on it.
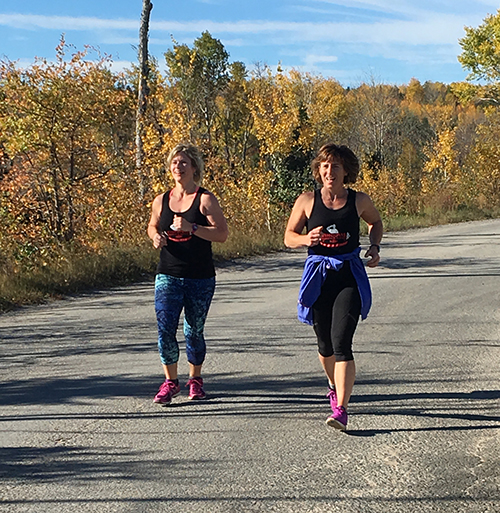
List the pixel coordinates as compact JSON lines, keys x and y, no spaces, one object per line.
{"x":184,"y":223}
{"x":335,"y":291}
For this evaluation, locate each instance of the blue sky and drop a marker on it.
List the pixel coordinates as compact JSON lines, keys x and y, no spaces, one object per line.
{"x":389,"y":40}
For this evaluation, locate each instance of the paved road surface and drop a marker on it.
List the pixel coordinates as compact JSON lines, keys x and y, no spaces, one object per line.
{"x":79,"y":431}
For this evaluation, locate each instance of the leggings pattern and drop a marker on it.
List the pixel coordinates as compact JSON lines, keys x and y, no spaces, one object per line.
{"x":336,"y":314}
{"x":171,"y":296}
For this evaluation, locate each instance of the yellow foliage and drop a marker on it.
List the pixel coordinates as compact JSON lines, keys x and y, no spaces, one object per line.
{"x":67,"y":166}
{"x":441,"y":168}
{"x":275,"y":115}
{"x":389,"y":190}
{"x":482,"y":167}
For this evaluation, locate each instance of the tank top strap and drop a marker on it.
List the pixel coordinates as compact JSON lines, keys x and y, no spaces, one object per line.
{"x":317,"y":198}
{"x":166,"y":201}
{"x":197,"y":199}
{"x":351,"y":198}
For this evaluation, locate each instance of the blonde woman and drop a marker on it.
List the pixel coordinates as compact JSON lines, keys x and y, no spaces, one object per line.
{"x":184,"y":223}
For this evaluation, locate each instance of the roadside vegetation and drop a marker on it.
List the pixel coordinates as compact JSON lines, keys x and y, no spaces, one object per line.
{"x":74,"y":206}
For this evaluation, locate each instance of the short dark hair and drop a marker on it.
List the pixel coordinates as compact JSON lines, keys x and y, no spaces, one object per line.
{"x":346,"y":156}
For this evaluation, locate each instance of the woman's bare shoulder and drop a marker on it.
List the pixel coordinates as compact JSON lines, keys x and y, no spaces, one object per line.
{"x":305,"y":198}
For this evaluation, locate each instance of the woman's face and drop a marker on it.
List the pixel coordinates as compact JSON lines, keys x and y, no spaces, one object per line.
{"x":182,"y":168}
{"x":332,"y":172}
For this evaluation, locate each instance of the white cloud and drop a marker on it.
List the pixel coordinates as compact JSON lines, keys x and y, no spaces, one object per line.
{"x":410,"y":9}
{"x":392,"y":38}
{"x":441,"y":29}
{"x":20,"y":63}
{"x":382,"y":6}
{"x":118,"y":66}
{"x":311,"y":59}
{"x":35,"y":21}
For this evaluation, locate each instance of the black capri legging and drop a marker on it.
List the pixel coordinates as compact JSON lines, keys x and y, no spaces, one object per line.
{"x":336,"y":313}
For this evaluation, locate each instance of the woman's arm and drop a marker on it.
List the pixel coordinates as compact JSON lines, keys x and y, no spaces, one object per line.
{"x":217,"y":231}
{"x":154,"y":234}
{"x":297,"y":222}
{"x":369,"y":214}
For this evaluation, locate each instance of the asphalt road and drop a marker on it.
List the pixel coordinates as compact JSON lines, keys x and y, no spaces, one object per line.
{"x":79,"y":431}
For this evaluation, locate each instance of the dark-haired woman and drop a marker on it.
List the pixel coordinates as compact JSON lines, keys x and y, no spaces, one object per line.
{"x":184,"y":223}
{"x":335,"y":290}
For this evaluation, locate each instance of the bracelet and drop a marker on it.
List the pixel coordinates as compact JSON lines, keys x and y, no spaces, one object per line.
{"x":375,"y":246}
{"x":194,"y":227}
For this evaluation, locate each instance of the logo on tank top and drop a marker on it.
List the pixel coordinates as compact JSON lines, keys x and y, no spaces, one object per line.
{"x":331,"y":238}
{"x":178,"y":235}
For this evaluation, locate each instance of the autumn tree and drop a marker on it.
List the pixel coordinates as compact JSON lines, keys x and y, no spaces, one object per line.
{"x":236,"y":120}
{"x":328,"y":114}
{"x":67,"y":126}
{"x":481,"y":49}
{"x":200,"y":74}
{"x":442,"y":174}
{"x":482,"y":166}
{"x":414,"y":91}
{"x":377,"y":109}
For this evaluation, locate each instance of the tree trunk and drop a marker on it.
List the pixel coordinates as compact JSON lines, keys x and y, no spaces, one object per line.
{"x":143,"y":90}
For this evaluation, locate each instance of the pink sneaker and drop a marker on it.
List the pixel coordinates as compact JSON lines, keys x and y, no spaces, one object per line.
{"x":167,"y":390}
{"x":196,"y":388}
{"x":333,"y":398}
{"x":338,"y":419}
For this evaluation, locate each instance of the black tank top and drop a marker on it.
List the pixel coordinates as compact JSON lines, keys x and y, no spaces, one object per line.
{"x":340,"y":227}
{"x":185,"y":255}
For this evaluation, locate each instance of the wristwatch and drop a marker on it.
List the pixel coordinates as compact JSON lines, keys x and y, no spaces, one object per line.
{"x":194,"y":227}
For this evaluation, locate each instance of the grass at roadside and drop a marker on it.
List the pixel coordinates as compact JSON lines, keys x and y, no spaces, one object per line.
{"x":70,"y":271}
{"x":436,"y":217}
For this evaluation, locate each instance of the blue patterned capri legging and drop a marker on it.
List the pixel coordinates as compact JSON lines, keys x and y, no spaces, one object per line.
{"x":171,"y":296}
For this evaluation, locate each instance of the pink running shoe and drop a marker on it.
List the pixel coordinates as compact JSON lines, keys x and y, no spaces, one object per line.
{"x":167,"y":390}
{"x":196,"y":388}
{"x":333,"y":398}
{"x":339,"y":418}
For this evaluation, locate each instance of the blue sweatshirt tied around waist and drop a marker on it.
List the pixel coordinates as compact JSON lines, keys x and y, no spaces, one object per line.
{"x":315,"y":270}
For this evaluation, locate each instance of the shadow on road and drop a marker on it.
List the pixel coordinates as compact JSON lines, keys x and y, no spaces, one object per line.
{"x":442,"y":267}
{"x":245,"y":395}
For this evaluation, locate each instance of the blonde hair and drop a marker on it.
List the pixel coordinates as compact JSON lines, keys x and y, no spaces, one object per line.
{"x":194,"y":155}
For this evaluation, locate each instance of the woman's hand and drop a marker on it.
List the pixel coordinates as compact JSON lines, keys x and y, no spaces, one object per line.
{"x":159,"y":240}
{"x":178,"y":224}
{"x":314,"y":236}
{"x":374,"y":256}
